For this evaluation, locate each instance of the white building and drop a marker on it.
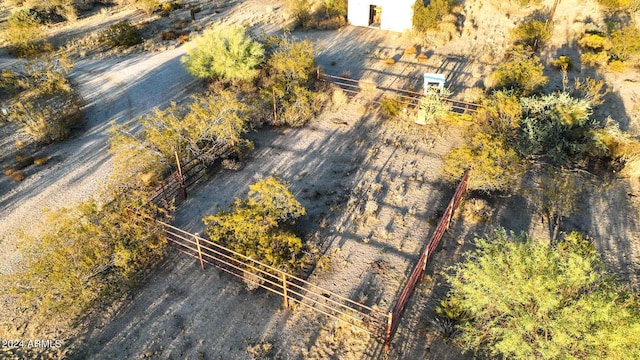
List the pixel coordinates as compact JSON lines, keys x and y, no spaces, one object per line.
{"x":394,"y":15}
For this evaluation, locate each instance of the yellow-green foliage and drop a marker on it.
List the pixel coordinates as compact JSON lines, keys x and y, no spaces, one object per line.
{"x":523,"y":299}
{"x":625,"y":43}
{"x":429,"y":16}
{"x":209,"y":120}
{"x":87,"y":252}
{"x":594,"y":42}
{"x":563,"y":62}
{"x":620,"y":5}
{"x":24,"y":32}
{"x":521,"y":71}
{"x":258,"y":227}
{"x":528,"y":32}
{"x":495,"y":165}
{"x":290,"y":72}
{"x":43,"y":102}
{"x":500,"y":115}
{"x":121,"y":34}
{"x":390,"y":107}
{"x":595,"y":59}
{"x":613,"y":142}
{"x":226,"y":52}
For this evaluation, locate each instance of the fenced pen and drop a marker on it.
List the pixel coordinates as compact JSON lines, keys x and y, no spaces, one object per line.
{"x":375,"y":93}
{"x":295,"y":290}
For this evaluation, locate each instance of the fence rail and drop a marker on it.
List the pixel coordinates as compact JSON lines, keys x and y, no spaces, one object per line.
{"x":292,"y":288}
{"x":176,"y":184}
{"x":418,"y":271}
{"x":410,"y":99}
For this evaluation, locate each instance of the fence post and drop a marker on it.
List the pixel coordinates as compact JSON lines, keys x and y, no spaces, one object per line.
{"x":387,"y":335}
{"x":181,"y":179}
{"x":275,"y":111}
{"x":199,"y":250}
{"x":284,"y":291}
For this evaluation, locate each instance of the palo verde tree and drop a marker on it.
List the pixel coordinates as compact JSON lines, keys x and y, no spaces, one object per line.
{"x":260,"y":226}
{"x":88,"y":251}
{"x":290,"y":71}
{"x":517,"y":298}
{"x":226,"y":52}
{"x":192,"y":132}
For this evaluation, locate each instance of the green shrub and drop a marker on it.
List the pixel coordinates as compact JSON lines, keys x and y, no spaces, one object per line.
{"x":620,"y":5}
{"x":25,"y":34}
{"x":290,"y":73}
{"x":430,"y":16}
{"x":335,"y":8}
{"x":563,"y":62}
{"x":625,"y":43}
{"x":390,"y":107}
{"x":496,"y":166}
{"x":555,"y":127}
{"x":600,"y":59}
{"x":226,"y":52}
{"x":501,"y":115}
{"x":121,"y":34}
{"x":614,"y":143}
{"x":43,"y":101}
{"x":521,"y":71}
{"x":526,"y":300}
{"x":148,"y":6}
{"x":434,"y":107}
{"x":87,"y":251}
{"x":594,"y":43}
{"x":259,"y":226}
{"x":300,"y":12}
{"x":527,"y":33}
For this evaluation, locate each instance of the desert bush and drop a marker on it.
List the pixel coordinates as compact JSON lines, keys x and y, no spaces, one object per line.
{"x":523,"y":299}
{"x":121,"y":34}
{"x":563,"y":63}
{"x":496,"y":166}
{"x":259,"y":227}
{"x":594,"y":42}
{"x":527,"y":33}
{"x":555,"y":127}
{"x":88,"y":251}
{"x":521,"y":71}
{"x":290,"y":73}
{"x":429,"y":16}
{"x":190,"y":132}
{"x":226,"y":52}
{"x":300,"y":11}
{"x":148,"y":6}
{"x":391,"y":107}
{"x":614,"y":143}
{"x":47,"y":108}
{"x":501,"y":115}
{"x":24,"y":33}
{"x":339,"y":98}
{"x":620,"y":5}
{"x":410,"y":51}
{"x":335,"y":8}
{"x":433,"y":107}
{"x":600,"y":59}
{"x":625,"y":43}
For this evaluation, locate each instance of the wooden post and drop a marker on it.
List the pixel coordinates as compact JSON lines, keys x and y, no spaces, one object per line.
{"x":424,"y":264}
{"x":180,"y":179}
{"x":387,"y":335}
{"x":275,"y":111}
{"x":317,"y":73}
{"x":284,"y":291}
{"x":199,"y":251}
